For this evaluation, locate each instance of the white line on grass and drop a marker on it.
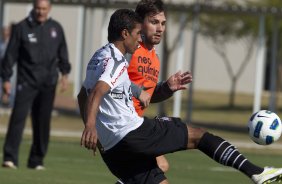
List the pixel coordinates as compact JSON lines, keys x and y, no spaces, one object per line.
{"x":222,"y":169}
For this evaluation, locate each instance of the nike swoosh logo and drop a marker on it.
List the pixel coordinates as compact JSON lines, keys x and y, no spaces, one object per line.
{"x":260,"y":116}
{"x":146,"y":88}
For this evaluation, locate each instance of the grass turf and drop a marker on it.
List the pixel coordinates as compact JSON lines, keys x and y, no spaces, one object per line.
{"x":68,"y":163}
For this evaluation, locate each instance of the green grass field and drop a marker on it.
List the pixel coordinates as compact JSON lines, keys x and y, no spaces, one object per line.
{"x":68,"y":163}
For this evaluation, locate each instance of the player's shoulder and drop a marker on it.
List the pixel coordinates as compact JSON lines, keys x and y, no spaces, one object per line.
{"x":103,"y":52}
{"x":141,"y":49}
{"x":109,"y":51}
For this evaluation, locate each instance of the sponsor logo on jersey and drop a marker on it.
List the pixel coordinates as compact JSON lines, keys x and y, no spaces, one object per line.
{"x":117,"y":95}
{"x":92,"y":65}
{"x":120,"y":73}
{"x":146,"y":69}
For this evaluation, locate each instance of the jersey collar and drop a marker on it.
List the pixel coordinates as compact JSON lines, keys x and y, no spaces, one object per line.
{"x":116,"y":50}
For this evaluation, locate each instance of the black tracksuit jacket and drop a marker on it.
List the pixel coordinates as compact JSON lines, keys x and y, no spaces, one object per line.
{"x":40,"y":51}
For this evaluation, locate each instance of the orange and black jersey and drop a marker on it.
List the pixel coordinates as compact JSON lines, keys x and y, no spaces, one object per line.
{"x":143,"y":71}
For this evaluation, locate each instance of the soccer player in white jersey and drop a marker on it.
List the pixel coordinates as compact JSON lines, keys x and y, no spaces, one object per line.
{"x":129,"y":143}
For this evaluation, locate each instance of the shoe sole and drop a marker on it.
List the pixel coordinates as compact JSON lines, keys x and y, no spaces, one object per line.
{"x":276,"y":178}
{"x":8,"y":166}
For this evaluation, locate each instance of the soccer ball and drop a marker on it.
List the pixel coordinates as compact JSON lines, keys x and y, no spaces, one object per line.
{"x":264,"y":127}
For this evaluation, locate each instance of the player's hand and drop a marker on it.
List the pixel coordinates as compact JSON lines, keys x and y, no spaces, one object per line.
{"x":7,"y":87}
{"x":89,"y":138}
{"x":178,"y":81}
{"x":145,"y":98}
{"x":64,"y":83}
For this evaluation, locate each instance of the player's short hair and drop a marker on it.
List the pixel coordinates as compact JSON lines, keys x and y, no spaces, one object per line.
{"x":149,"y":7}
{"x":122,"y":19}
{"x":36,"y":1}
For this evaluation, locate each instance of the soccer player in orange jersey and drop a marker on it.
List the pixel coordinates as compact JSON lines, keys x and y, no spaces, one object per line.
{"x":144,"y":67}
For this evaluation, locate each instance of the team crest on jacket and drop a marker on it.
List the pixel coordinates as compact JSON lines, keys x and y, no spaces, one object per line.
{"x":53,"y":33}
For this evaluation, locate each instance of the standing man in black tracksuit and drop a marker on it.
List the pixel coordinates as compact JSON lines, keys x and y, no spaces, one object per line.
{"x":38,"y":46}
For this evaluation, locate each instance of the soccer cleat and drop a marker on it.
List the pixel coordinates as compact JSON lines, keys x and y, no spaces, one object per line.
{"x":268,"y":175}
{"x":9,"y":164}
{"x":38,"y":167}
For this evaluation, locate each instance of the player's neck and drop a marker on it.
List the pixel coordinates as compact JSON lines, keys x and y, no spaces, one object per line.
{"x":120,"y":46}
{"x":148,"y":45}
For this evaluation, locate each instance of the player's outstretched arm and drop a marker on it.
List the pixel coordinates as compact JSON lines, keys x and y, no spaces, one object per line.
{"x":165,"y":89}
{"x":178,"y":80}
{"x":89,"y":136}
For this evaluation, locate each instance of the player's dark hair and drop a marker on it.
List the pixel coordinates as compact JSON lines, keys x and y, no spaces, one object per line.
{"x":36,"y":1}
{"x":149,"y":7}
{"x":122,"y":19}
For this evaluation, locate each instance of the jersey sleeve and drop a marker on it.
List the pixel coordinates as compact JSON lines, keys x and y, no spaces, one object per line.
{"x":161,"y":92}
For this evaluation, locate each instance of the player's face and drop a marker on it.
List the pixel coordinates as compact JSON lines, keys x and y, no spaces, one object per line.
{"x":133,"y":39}
{"x":153,"y":28}
{"x":41,"y":10}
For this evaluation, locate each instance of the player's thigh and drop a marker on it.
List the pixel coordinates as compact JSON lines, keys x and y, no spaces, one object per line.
{"x":157,"y":137}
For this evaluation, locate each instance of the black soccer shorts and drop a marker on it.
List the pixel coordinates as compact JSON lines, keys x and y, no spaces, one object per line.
{"x":133,"y":159}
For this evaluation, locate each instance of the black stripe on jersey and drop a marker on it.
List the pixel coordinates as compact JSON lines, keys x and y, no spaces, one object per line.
{"x":117,"y":62}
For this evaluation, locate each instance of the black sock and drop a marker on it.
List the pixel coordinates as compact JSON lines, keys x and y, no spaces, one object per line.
{"x":226,"y":154}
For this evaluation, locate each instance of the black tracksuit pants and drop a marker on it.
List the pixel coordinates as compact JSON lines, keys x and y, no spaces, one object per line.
{"x":40,"y":102}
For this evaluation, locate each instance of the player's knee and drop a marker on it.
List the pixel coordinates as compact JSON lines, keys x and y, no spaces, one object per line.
{"x":164,"y":166}
{"x":201,"y":132}
{"x":194,"y":136}
{"x":162,"y":163}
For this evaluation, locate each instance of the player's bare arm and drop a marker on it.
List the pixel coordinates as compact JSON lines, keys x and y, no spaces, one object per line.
{"x":89,"y":135}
